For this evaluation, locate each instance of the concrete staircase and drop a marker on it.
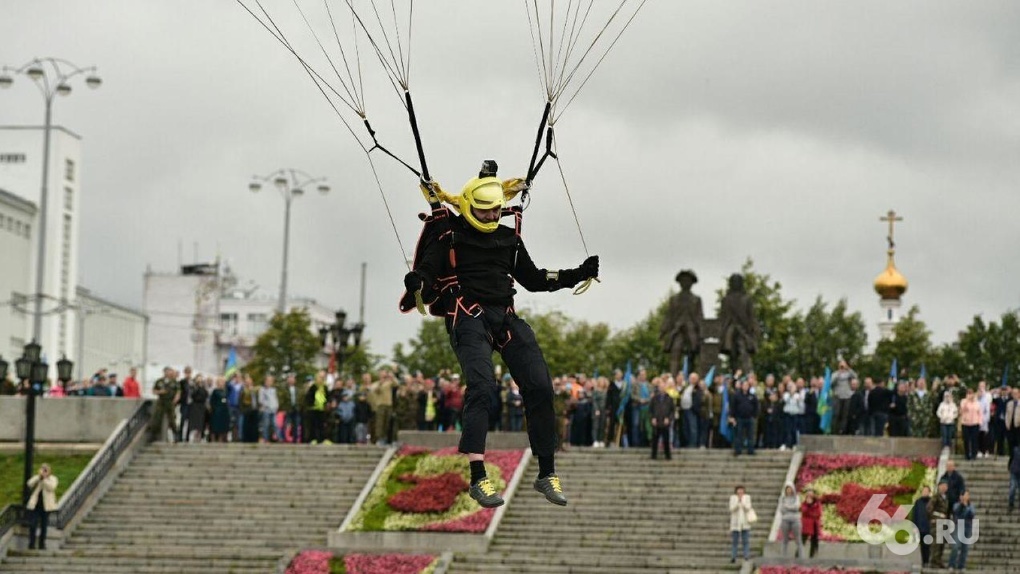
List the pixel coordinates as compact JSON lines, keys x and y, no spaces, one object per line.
{"x":631,"y":514}
{"x":996,"y":549}
{"x":211,"y":508}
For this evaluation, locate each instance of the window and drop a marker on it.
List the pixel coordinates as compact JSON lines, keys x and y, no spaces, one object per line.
{"x":9,"y":223}
{"x":228,"y":323}
{"x":12,"y":158}
{"x":69,"y":170}
{"x":69,"y":199}
{"x":17,"y":227}
{"x":65,"y":259}
{"x":257,"y":323}
{"x":28,"y":231}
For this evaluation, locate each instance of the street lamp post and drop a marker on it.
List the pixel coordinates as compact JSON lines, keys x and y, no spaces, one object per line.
{"x":51,"y":76}
{"x":32,"y":366}
{"x":291,"y":183}
{"x":341,"y":337}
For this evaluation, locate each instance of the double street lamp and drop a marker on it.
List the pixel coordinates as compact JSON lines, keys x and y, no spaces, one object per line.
{"x":52,"y":76}
{"x":32,"y":367}
{"x":337,"y":337}
{"x":291,"y":183}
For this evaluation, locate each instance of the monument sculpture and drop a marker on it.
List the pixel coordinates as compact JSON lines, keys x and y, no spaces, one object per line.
{"x":739,"y":326}
{"x":681,"y":332}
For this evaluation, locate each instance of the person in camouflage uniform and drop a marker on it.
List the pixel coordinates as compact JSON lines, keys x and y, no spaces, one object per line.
{"x":920,"y":411}
{"x":166,"y":390}
{"x":405,"y":406}
{"x":560,"y":398}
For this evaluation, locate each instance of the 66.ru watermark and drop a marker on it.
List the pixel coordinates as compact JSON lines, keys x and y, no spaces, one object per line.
{"x":901,"y":536}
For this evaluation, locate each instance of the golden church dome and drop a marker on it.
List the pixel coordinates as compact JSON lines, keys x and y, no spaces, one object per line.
{"x":890,"y":284}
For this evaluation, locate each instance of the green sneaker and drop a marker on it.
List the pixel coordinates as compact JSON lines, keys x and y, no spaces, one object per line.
{"x":485,"y":493}
{"x":550,"y":487}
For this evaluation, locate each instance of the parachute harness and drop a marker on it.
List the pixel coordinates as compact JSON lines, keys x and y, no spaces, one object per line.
{"x":556,"y":71}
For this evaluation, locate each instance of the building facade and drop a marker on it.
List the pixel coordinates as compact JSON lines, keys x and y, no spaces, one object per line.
{"x":17,"y":220}
{"x":199,"y":313}
{"x":21,"y":165}
{"x":111,"y":337}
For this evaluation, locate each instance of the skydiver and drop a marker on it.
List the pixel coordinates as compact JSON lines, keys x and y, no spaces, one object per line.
{"x":470,"y":270}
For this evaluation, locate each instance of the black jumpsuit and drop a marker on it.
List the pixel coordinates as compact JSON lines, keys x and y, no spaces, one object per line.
{"x":480,"y":318}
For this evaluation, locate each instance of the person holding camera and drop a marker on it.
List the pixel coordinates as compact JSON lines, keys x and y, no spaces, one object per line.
{"x":44,"y":486}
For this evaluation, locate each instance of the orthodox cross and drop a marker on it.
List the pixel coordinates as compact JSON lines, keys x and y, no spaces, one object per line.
{"x":892,"y":218}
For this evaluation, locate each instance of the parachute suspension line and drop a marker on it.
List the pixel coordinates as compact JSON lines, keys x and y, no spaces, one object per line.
{"x":393,"y":76}
{"x":389,"y":212}
{"x":534,"y":49}
{"x":570,"y":199}
{"x":282,"y":39}
{"x":400,"y":48}
{"x":358,"y":91}
{"x":599,"y":62}
{"x":410,"y":20}
{"x":353,"y":103}
{"x":546,"y":78}
{"x":565,"y":80}
{"x":575,"y":30}
{"x":318,"y":81}
{"x":586,"y":284}
{"x":389,"y":46}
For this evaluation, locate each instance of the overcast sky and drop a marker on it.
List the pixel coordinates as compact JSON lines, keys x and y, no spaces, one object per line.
{"x":714,"y":131}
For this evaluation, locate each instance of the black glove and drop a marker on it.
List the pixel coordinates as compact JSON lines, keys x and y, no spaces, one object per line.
{"x":590,"y":268}
{"x":413,"y":282}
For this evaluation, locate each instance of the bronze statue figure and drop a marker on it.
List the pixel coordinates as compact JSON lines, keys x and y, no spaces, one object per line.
{"x":681,"y":327}
{"x":740,"y":329}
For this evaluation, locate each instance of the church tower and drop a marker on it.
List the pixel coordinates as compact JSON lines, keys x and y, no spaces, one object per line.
{"x":890,"y":284}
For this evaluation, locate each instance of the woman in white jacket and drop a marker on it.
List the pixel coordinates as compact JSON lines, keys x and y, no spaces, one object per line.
{"x":742,"y":515}
{"x":947,"y":414}
{"x":44,"y":486}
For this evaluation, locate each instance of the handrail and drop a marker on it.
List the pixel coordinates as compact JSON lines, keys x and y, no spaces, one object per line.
{"x":96,"y":470}
{"x":9,"y":516}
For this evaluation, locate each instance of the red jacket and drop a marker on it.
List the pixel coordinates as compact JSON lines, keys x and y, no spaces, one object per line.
{"x":811,"y":518}
{"x":131,"y":389}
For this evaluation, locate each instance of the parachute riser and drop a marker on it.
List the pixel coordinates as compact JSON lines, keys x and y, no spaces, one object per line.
{"x":425,"y":177}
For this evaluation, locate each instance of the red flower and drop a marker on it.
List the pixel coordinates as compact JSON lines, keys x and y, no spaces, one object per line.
{"x":408,"y":450}
{"x":310,"y":562}
{"x":816,"y":465}
{"x":476,"y":522}
{"x":431,"y":494}
{"x":854,"y":497}
{"x":387,"y":563}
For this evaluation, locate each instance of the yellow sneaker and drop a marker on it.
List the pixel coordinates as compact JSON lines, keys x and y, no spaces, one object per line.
{"x":485,"y":493}
{"x":550,"y":487}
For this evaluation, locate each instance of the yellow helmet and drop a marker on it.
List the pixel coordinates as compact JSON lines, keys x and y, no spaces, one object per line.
{"x":481,"y":193}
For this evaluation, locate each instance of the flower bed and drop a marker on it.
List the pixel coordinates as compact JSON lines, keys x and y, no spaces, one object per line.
{"x":845,"y":483}
{"x":811,"y":570}
{"x":324,"y":562}
{"x":422,"y":490}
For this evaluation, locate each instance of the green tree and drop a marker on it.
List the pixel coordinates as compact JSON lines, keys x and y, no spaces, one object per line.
{"x":987,"y":349}
{"x":639,"y":344}
{"x":429,"y":351}
{"x":288,"y":345}
{"x":910,"y":346}
{"x":775,"y":317}
{"x":820,"y":336}
{"x":361,"y":359}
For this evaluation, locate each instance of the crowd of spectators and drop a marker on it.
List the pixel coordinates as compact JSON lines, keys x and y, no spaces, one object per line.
{"x":735,"y":411}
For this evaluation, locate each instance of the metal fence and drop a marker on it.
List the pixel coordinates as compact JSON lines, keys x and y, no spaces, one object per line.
{"x":91,"y":477}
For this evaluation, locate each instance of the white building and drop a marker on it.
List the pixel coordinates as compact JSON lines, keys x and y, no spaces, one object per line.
{"x":112,"y":337}
{"x":21,"y":160}
{"x":199,"y":313}
{"x":17,"y":219}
